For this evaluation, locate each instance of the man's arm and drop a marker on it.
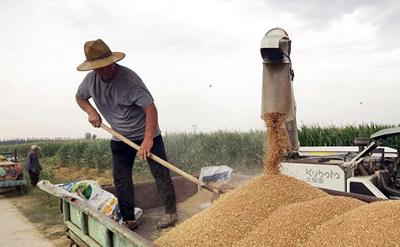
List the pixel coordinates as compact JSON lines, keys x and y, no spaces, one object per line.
{"x":93,"y":116}
{"x":151,"y":126}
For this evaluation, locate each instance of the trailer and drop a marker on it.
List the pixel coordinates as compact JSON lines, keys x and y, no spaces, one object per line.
{"x":88,"y":227}
{"x":11,"y":172}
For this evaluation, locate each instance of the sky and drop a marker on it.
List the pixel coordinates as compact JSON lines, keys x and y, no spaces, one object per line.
{"x":345,"y":56}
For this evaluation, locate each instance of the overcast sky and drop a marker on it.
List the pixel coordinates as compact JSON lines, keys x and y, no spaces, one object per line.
{"x":345,"y":55}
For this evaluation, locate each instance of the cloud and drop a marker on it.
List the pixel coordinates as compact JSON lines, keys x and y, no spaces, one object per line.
{"x":323,"y":11}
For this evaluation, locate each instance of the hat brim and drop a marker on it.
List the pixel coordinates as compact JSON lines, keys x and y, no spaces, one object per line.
{"x":95,"y":64}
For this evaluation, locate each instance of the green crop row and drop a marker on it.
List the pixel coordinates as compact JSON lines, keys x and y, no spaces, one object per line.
{"x":242,"y":151}
{"x":316,"y":135}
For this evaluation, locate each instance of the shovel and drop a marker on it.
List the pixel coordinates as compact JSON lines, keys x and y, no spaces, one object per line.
{"x":162,"y":162}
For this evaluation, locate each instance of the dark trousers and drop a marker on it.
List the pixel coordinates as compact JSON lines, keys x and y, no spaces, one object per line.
{"x":34,"y":177}
{"x":123,"y":157}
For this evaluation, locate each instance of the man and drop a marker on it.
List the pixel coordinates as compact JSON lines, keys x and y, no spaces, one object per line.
{"x":124,"y":101}
{"x":33,"y":165}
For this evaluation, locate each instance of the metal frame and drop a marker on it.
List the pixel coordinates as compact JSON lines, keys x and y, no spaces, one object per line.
{"x":87,"y":226}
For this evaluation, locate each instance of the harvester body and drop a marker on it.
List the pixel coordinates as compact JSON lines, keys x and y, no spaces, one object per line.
{"x":371,"y":170}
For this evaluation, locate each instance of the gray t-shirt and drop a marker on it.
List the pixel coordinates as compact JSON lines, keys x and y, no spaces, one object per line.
{"x":120,"y":101}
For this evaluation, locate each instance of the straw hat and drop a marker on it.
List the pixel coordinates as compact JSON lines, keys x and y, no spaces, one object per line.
{"x":98,"y":55}
{"x":35,"y":147}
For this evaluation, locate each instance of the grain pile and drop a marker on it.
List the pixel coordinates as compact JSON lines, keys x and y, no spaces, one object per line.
{"x":375,"y":224}
{"x":233,"y":216}
{"x":276,"y":210}
{"x":291,"y":225}
{"x":277,"y":141}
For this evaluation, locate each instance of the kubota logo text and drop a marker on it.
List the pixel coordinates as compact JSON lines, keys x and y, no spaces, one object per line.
{"x":322,"y":174}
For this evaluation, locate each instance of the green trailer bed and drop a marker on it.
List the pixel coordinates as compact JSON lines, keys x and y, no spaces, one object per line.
{"x":88,"y":227}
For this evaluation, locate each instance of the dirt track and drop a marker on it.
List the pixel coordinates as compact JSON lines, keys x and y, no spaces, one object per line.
{"x":16,"y":230}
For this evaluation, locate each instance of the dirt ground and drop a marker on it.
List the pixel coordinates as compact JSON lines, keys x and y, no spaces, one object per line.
{"x":55,"y":234}
{"x":18,"y":231}
{"x":75,"y":174}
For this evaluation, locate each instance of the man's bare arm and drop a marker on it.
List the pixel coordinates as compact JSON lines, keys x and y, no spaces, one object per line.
{"x":93,"y":116}
{"x":151,"y":126}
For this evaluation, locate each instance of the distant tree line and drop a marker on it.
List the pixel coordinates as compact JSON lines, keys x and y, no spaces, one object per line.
{"x":16,"y":141}
{"x":31,"y":140}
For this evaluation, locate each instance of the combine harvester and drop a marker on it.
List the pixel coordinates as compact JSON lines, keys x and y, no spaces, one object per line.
{"x":366,"y":169}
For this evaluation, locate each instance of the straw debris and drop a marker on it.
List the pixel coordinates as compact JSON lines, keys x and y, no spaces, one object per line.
{"x":234,"y":215}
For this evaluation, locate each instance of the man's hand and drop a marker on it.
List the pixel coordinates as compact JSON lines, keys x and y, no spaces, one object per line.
{"x":145,"y":148}
{"x":94,"y":118}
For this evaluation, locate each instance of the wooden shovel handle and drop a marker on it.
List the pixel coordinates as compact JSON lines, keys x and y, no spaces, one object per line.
{"x":160,"y":161}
